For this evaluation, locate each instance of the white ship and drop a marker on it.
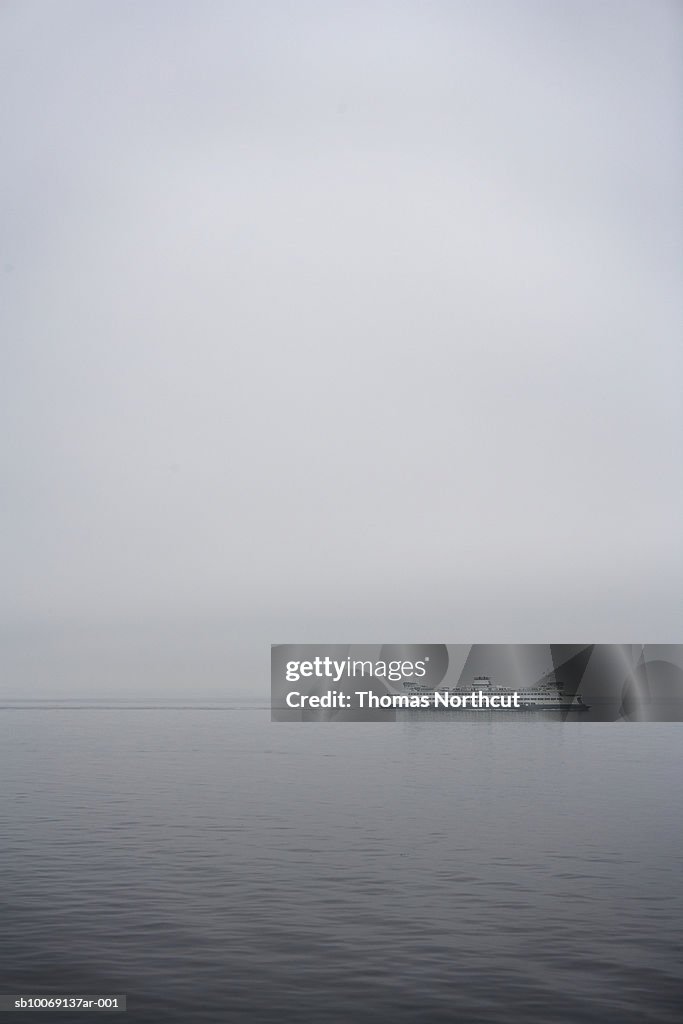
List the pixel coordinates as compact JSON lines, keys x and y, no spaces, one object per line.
{"x":546,"y":695}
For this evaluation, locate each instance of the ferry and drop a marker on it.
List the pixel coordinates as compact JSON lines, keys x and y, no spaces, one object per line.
{"x":546,"y":695}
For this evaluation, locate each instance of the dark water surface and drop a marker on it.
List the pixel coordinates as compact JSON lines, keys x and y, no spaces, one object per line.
{"x":217,"y":867}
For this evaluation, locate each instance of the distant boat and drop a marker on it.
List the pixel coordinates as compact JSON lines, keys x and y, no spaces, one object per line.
{"x":543,"y":696}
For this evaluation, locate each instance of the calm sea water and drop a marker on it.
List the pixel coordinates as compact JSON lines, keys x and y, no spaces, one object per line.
{"x":215,"y":866}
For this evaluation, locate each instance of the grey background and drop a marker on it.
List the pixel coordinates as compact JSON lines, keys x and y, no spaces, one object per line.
{"x":334,"y":322}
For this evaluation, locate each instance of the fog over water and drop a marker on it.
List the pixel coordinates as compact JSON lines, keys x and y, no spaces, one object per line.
{"x":342,"y":322}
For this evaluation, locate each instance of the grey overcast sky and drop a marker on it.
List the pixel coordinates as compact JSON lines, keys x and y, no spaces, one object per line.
{"x":335,"y":321}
